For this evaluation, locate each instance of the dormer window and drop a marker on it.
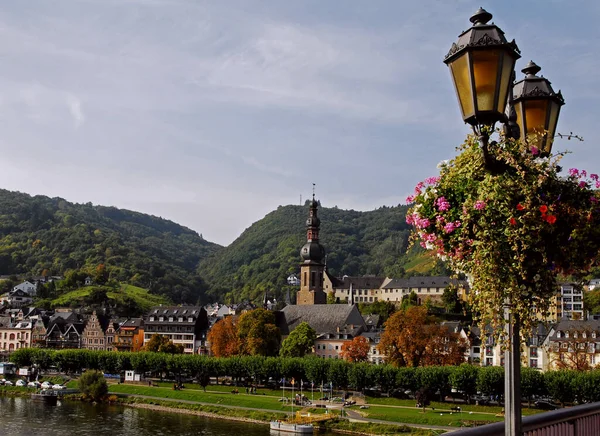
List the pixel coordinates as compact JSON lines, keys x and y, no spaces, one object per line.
{"x":575,"y":335}
{"x":567,"y":335}
{"x":594,"y":335}
{"x":170,"y":319}
{"x":180,"y":319}
{"x":584,"y":335}
{"x":190,"y":319}
{"x":161,"y":319}
{"x":558,"y":334}
{"x":151,"y":318}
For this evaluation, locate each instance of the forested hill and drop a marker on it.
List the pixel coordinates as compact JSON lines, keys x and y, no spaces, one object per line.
{"x":356,"y":243}
{"x":50,"y":236}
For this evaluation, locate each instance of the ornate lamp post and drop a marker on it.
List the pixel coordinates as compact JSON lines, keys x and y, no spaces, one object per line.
{"x":482,"y":64}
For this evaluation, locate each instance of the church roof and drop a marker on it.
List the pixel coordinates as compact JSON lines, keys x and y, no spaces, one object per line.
{"x":324,"y":318}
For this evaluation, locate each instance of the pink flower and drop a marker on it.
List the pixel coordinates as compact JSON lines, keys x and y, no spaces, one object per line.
{"x":583,"y":173}
{"x":597,"y":185}
{"x":440,"y":219}
{"x":594,"y":177}
{"x":574,"y":172}
{"x":432,"y":180}
{"x":535,"y":151}
{"x":442,"y":204}
{"x":479,"y":205}
{"x":410,"y":198}
{"x":593,"y":199}
{"x":449,"y":228}
{"x":423,"y":223}
{"x":582,"y":184}
{"x":410,"y":219}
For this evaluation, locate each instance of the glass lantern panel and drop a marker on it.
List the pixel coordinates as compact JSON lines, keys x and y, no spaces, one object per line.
{"x":552,"y":122}
{"x":485,"y":71}
{"x":536,"y":115}
{"x":462,"y":83}
{"x":519,"y":111}
{"x":508,"y":66}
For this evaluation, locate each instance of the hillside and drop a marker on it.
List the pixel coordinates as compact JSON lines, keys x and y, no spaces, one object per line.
{"x":123,"y":300}
{"x":356,"y":243}
{"x":51,"y":236}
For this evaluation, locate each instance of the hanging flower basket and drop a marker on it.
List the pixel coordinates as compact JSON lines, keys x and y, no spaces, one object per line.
{"x":511,"y":232}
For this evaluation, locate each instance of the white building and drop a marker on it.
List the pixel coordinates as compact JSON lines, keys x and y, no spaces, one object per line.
{"x":27,"y":287}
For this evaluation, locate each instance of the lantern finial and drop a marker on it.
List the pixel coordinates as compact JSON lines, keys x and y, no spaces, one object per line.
{"x":480,"y":17}
{"x":531,"y":69}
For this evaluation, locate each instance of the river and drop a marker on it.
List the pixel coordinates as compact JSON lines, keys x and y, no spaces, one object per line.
{"x":23,"y":417}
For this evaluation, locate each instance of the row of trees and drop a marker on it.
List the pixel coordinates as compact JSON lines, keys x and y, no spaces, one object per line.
{"x":564,"y":386}
{"x":411,"y":338}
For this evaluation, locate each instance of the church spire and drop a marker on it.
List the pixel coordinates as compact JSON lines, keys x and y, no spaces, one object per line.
{"x":313,"y":254}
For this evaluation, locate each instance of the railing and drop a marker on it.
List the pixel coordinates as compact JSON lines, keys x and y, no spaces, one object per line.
{"x":575,"y":421}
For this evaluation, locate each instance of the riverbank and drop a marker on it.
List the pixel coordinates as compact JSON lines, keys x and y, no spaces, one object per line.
{"x":336,"y":425}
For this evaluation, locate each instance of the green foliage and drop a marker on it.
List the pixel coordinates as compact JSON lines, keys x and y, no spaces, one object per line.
{"x":299,"y":342}
{"x":258,"y":333}
{"x":511,"y":225}
{"x":162,"y":344}
{"x":532,"y":383}
{"x":382,"y":308}
{"x":490,"y":380}
{"x":357,"y":243}
{"x":591,"y":301}
{"x":464,"y":379}
{"x":52,"y":236}
{"x":560,"y":385}
{"x":93,"y":385}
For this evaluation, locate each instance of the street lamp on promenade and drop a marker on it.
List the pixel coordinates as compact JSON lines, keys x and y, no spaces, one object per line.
{"x":482,"y":64}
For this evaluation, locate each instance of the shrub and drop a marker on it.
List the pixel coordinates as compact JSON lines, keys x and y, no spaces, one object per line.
{"x":93,"y":385}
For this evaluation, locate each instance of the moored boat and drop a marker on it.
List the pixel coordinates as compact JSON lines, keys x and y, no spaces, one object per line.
{"x":291,"y":427}
{"x":47,"y":396}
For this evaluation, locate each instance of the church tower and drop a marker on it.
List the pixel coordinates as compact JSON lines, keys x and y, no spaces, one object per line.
{"x":312,"y":267}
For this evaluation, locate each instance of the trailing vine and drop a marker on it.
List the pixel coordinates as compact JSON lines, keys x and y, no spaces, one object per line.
{"x":511,"y":232}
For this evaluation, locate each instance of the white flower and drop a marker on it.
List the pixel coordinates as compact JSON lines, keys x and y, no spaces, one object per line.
{"x":442,"y":163}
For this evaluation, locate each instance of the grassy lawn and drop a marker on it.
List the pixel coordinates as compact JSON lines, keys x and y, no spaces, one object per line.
{"x":141,"y":296}
{"x":430,"y":417}
{"x":221,"y":398}
{"x":446,"y":406}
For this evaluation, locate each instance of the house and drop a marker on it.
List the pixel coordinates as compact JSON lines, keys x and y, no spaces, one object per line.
{"x":181,"y":324}
{"x":93,"y":336}
{"x":329,"y":345}
{"x":572,"y":344}
{"x":16,"y":298}
{"x":568,"y":303}
{"x":27,"y":287}
{"x":130,"y":335}
{"x":64,"y":330}
{"x":593,"y":284}
{"x":15,"y":336}
{"x":355,"y":289}
{"x":424,"y":287}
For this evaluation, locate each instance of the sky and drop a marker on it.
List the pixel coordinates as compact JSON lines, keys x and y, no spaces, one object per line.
{"x":214,"y":113}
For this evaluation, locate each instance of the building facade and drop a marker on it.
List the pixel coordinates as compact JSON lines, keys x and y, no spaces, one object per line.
{"x":180,"y":324}
{"x":312,"y":268}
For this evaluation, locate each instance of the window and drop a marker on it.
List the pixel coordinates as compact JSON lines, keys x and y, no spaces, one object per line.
{"x":161,"y":319}
{"x":489,"y":351}
{"x":533,"y":363}
{"x":476,"y":350}
{"x":533,"y":352}
{"x":180,"y":319}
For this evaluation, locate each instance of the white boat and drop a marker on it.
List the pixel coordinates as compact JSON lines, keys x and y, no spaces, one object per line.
{"x":291,"y":427}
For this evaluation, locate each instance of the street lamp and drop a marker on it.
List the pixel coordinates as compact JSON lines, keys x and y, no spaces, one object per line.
{"x":482,"y":65}
{"x":537,"y":107}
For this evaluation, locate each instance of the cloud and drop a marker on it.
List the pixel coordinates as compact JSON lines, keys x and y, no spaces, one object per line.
{"x":75,"y":109}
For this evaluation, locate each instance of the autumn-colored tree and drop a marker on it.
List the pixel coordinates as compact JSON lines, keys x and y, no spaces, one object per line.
{"x":223,"y":338}
{"x":412,"y":338}
{"x":257,"y":333}
{"x":356,"y":350}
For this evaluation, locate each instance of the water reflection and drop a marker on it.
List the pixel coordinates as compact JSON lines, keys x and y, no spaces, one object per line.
{"x":22,"y":417}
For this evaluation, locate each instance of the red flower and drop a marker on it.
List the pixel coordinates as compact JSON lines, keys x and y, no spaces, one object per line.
{"x":513,"y":221}
{"x":551,"y":219}
{"x":520,"y":206}
{"x":544,"y":208}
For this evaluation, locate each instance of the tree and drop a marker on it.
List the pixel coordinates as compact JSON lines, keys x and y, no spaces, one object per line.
{"x":331,"y":298}
{"x":356,"y":350}
{"x":300,"y":341}
{"x":532,"y":383}
{"x":560,"y":385}
{"x":382,"y":308}
{"x":258,"y":334}
{"x":451,"y":300}
{"x":409,"y":300}
{"x":412,"y":338}
{"x":223,"y":338}
{"x":464,"y":380}
{"x":490,"y":380}
{"x":162,"y":344}
{"x":93,"y":385}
